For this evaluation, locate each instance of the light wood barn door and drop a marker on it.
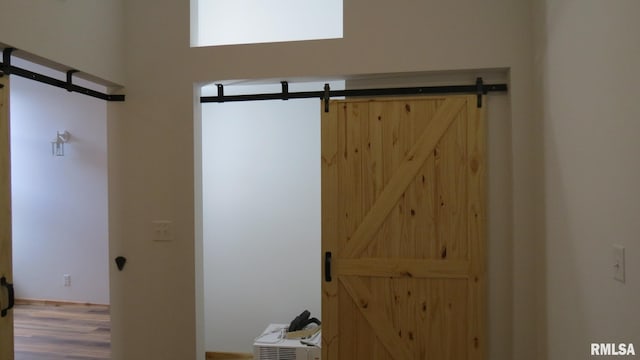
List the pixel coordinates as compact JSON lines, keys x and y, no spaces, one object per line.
{"x":6,"y":322}
{"x":403,"y":216}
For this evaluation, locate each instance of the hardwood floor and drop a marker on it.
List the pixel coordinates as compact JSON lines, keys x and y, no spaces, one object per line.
{"x":56,"y":332}
{"x":227,"y":356}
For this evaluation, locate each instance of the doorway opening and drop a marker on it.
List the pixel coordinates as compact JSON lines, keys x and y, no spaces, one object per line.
{"x":59,"y":209}
{"x":261,"y":215}
{"x":499,"y":194}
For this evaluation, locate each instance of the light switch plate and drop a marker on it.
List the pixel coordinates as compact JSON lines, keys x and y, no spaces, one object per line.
{"x":162,"y":230}
{"x":618,"y":262}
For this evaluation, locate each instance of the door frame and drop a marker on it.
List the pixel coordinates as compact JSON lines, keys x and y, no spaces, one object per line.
{"x":7,"y":329}
{"x":499,"y":184}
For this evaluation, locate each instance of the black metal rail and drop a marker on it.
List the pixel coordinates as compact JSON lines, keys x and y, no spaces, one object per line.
{"x":479,"y":89}
{"x":7,"y":69}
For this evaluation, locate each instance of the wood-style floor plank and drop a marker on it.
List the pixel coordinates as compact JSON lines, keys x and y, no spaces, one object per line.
{"x":62,"y":332}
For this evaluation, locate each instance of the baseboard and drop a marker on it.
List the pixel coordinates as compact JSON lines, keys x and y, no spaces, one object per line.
{"x":56,"y":303}
{"x":213,"y":355}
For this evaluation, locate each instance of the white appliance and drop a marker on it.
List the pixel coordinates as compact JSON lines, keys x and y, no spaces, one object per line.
{"x":272,"y":345}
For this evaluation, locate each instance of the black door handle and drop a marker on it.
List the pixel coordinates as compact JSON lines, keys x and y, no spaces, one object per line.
{"x":327,"y":266}
{"x":4,"y":283}
{"x":120,"y":261}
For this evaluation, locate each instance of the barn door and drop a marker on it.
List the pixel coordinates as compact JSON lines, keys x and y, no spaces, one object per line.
{"x":6,"y":289}
{"x":403,"y":229}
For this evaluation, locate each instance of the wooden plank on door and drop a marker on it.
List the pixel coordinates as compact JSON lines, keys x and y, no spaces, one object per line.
{"x":404,"y":174}
{"x":476,"y":229}
{"x":403,"y":216}
{"x":6,"y":323}
{"x":329,"y":228}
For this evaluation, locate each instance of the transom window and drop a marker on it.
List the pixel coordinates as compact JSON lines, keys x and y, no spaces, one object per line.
{"x":231,"y":22}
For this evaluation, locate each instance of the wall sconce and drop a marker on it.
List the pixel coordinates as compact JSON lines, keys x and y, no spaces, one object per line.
{"x":57,"y":144}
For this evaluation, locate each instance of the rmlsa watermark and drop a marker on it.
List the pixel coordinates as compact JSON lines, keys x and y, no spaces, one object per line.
{"x":612,"y":349}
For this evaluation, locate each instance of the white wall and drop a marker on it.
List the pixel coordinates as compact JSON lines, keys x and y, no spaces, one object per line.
{"x":589,"y":137}
{"x":154,"y":155}
{"x":152,"y":136}
{"x":587,"y":56}
{"x":59,"y":203}
{"x":261,"y":214}
{"x":82,"y":34}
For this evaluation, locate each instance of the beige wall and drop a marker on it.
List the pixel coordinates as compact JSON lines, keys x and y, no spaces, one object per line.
{"x":155,"y":160}
{"x":585,"y":162}
{"x":587,"y":56}
{"x":82,"y":34}
{"x":152,"y":140}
